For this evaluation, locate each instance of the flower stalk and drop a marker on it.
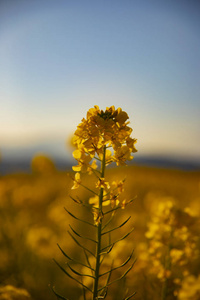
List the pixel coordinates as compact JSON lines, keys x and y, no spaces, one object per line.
{"x":93,"y":139}
{"x":99,"y":231}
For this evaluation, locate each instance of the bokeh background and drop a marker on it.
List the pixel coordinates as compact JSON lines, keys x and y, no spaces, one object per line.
{"x":59,"y":58}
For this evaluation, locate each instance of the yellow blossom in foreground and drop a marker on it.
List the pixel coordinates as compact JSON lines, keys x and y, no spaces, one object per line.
{"x":113,"y":198}
{"x":131,"y":144}
{"x":121,"y":155}
{"x":119,"y":185}
{"x":103,"y":137}
{"x":98,"y":216}
{"x":102,"y":184}
{"x":83,"y":161}
{"x":103,"y":128}
{"x":92,"y":167}
{"x":77,"y":181}
{"x":95,"y":201}
{"x":108,"y":157}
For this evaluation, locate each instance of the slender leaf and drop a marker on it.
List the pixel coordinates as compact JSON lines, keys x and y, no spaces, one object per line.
{"x":78,"y":218}
{"x":121,"y":225}
{"x":77,"y":242}
{"x":77,"y":273}
{"x":57,"y":295}
{"x":122,"y":238}
{"x":108,"y":251}
{"x":120,"y":266}
{"x":70,"y":276}
{"x":125,"y":273}
{"x":108,"y":222}
{"x":88,"y":261}
{"x":84,"y":237}
{"x":129,"y":297}
{"x":74,"y":260}
{"x":112,"y":210}
{"x":78,"y":201}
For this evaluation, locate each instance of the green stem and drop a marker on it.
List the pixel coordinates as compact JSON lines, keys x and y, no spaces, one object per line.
{"x":99,"y":231}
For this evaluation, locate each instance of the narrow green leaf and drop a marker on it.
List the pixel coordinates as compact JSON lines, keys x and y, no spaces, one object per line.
{"x":77,"y":242}
{"x":78,"y":201}
{"x":122,"y":238}
{"x":57,"y":295}
{"x":77,"y":273}
{"x":108,"y":222}
{"x":88,"y":261}
{"x":120,"y":266}
{"x":121,"y":225}
{"x":84,"y":237}
{"x":129,"y":297}
{"x":74,"y":260}
{"x":78,"y":218}
{"x":125,"y":273}
{"x":108,"y":251}
{"x":70,"y":276}
{"x":112,"y":210}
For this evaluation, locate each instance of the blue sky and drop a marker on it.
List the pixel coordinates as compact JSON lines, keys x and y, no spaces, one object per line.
{"x":59,"y":58}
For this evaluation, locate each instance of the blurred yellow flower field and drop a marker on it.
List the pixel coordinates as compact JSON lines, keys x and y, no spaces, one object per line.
{"x":165,"y":215}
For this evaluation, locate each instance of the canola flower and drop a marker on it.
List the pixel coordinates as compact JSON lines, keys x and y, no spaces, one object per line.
{"x":103,"y":137}
{"x":190,"y":288}
{"x":173,"y":248}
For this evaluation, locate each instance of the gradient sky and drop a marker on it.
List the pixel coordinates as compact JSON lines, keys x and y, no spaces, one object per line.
{"x":59,"y":58}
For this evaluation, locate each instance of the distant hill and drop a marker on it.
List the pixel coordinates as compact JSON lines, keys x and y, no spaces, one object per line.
{"x":15,"y":165}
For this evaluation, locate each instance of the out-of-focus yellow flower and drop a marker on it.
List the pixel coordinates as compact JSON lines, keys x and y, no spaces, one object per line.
{"x":176,"y":255}
{"x":42,"y":164}
{"x":153,"y":228}
{"x":190,"y":289}
{"x":10,"y":292}
{"x":123,"y":204}
{"x":42,"y":240}
{"x":173,"y":245}
{"x":77,"y":181}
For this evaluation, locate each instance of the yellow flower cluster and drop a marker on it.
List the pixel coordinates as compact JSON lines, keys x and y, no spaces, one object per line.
{"x":94,"y":135}
{"x":190,"y":288}
{"x":103,"y":128}
{"x":110,"y":197}
{"x":173,"y":244}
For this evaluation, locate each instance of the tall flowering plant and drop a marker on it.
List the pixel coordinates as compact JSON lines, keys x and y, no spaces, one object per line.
{"x":102,"y":138}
